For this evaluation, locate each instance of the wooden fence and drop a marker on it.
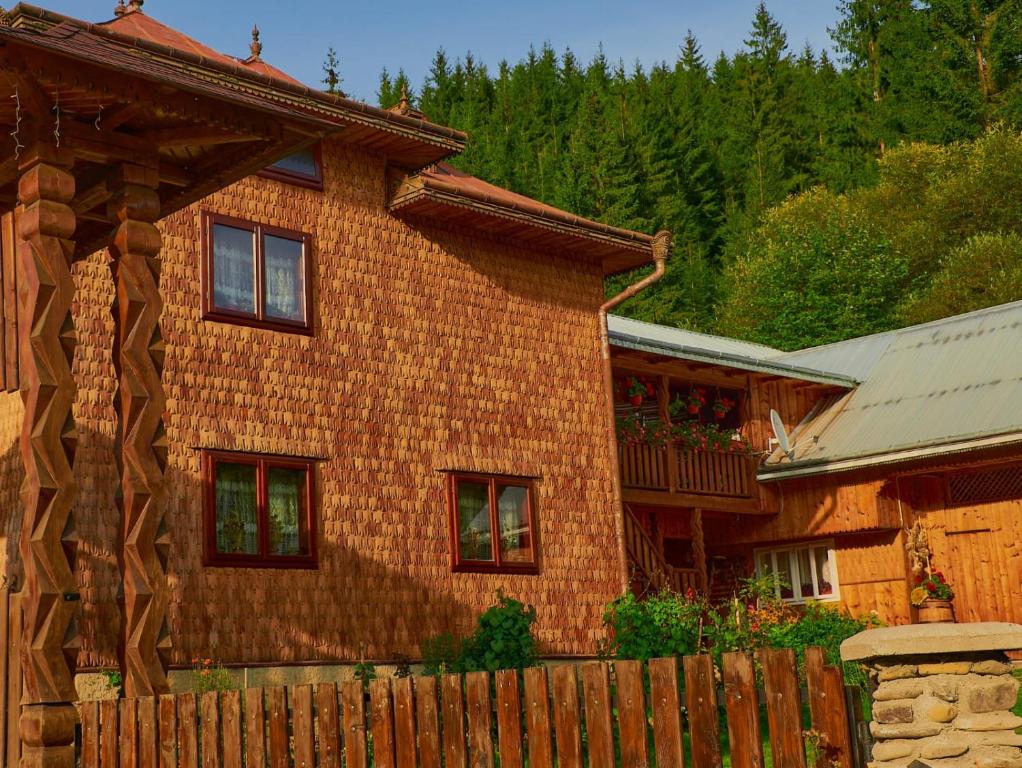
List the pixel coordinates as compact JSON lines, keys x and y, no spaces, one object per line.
{"x":594,"y":714}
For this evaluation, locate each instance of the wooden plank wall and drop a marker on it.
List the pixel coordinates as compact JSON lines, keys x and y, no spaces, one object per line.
{"x":571,"y":716}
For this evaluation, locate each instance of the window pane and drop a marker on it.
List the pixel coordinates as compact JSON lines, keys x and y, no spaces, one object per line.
{"x":285,"y":278}
{"x":474,"y":521}
{"x":237,"y":523}
{"x":805,"y":572}
{"x":513,"y":516}
{"x":302,"y":163}
{"x":824,"y":577}
{"x":784,"y":574}
{"x":233,"y":269}
{"x":287,"y":513}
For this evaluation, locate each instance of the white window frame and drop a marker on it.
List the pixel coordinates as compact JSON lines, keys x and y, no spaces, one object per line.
{"x":793,"y":574}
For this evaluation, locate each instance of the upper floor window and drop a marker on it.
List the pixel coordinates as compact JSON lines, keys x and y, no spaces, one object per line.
{"x":303,"y":168}
{"x":801,"y":571}
{"x":258,"y":510}
{"x":255,"y":274}
{"x":493,"y":523}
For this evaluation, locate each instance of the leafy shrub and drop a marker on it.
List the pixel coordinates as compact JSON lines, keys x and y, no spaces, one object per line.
{"x":662,"y":624}
{"x":503,"y":640}
{"x":209,"y":675}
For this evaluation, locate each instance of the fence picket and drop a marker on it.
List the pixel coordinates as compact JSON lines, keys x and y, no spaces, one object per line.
{"x":784,"y":707}
{"x":404,"y":721}
{"x":304,"y":735}
{"x":148,"y":747}
{"x":280,"y":738}
{"x":537,"y":718}
{"x":480,"y":719}
{"x":701,"y":700}
{"x":382,"y":718}
{"x":631,"y":705}
{"x":509,"y":719}
{"x":89,"y":713}
{"x":230,"y":727}
{"x":666,"y":700}
{"x":108,"y":733}
{"x":566,"y":717}
{"x":828,"y":710}
{"x":453,"y":722}
{"x":353,"y":704}
{"x":209,"y":712}
{"x":327,"y":726}
{"x":428,"y":721}
{"x":742,"y":705}
{"x":168,"y":731}
{"x":187,"y":735}
{"x":127,"y":751}
{"x":599,"y":724}
{"x":255,"y":728}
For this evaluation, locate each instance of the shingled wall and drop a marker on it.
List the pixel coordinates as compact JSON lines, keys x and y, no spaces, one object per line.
{"x":434,"y":349}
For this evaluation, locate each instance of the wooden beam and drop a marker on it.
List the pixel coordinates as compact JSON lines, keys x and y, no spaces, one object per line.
{"x":677,"y":369}
{"x":93,"y":196}
{"x":694,"y":500}
{"x":195,"y":135}
{"x":113,"y":118}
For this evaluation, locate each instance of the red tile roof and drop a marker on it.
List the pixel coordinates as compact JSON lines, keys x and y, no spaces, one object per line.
{"x":141,"y":26}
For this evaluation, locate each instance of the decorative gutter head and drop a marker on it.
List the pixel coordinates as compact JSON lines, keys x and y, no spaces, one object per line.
{"x":662,"y":243}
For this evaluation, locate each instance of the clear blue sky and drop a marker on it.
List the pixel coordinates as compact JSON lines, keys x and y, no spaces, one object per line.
{"x":406,"y":33}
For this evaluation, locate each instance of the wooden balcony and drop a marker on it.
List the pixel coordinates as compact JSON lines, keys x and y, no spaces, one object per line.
{"x":677,"y":476}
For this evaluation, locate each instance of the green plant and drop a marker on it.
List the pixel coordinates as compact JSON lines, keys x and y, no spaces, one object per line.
{"x":403,"y":667}
{"x":931,"y":585}
{"x":503,"y":639}
{"x":364,"y":670}
{"x":661,"y":624}
{"x":113,"y":678}
{"x":209,"y":675}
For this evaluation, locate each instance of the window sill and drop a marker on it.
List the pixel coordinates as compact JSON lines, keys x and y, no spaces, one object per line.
{"x":253,"y":322}
{"x":241,"y":561}
{"x":481,"y":567}
{"x":804,"y":600}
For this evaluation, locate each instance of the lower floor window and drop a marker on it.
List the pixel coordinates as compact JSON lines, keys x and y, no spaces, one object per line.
{"x":801,"y":571}
{"x":258,"y":510}
{"x":492,"y":523}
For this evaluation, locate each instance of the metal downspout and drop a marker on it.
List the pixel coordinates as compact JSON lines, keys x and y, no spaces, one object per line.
{"x":661,"y":248}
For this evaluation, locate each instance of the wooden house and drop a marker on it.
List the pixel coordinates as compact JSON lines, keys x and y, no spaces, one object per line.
{"x":920,"y":424}
{"x":281,"y":388}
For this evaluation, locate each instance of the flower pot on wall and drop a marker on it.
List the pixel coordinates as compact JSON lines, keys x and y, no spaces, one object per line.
{"x":935,"y":612}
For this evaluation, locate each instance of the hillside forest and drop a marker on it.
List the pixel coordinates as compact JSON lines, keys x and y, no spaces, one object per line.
{"x":813,"y":196}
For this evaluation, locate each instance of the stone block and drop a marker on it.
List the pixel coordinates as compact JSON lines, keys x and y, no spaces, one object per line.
{"x":946,"y":668}
{"x":991,"y":667}
{"x":897,"y":711}
{"x":894,"y":750}
{"x":989,"y":721}
{"x":896,"y":672}
{"x":996,"y":757}
{"x":1001,"y":739}
{"x":903,"y":730}
{"x":992,"y":695}
{"x":944,"y":687}
{"x":943,"y":746}
{"x":932,"y":639}
{"x":939,"y":711}
{"x":898,"y":689}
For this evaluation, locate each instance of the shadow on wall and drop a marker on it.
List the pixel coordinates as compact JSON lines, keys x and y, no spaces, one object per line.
{"x":351,"y":604}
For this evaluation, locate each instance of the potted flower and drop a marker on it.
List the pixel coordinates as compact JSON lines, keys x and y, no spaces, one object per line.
{"x":932,"y":597}
{"x":635,"y":390}
{"x":696,"y":400}
{"x":721,"y":407}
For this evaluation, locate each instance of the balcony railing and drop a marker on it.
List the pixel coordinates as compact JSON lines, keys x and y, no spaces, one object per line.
{"x":676,"y":469}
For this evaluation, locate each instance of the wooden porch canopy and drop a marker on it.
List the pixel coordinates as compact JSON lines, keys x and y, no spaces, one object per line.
{"x":102,"y":134}
{"x":444,"y":192}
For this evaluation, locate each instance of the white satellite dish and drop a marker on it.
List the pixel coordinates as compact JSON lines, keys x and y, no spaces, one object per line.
{"x":781,"y":434}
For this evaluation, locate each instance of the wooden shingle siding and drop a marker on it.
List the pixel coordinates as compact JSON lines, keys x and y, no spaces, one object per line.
{"x":435,"y":348}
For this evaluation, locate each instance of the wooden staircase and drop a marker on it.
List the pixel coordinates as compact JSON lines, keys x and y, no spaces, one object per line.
{"x":650,"y":571}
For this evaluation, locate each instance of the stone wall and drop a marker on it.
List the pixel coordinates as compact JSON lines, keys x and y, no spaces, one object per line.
{"x":943,"y":694}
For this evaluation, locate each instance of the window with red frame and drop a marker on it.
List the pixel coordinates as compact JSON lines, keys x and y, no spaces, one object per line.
{"x":255,"y":274}
{"x":303,"y":168}
{"x":258,"y":510}
{"x":493,"y":523}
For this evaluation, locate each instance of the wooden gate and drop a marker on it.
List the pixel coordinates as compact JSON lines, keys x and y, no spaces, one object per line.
{"x":603,"y":715}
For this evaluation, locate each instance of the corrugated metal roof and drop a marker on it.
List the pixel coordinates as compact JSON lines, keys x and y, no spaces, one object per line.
{"x":926,"y":389}
{"x":704,"y":348}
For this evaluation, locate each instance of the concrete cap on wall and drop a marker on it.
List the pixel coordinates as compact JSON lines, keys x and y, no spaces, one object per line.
{"x":932,"y":639}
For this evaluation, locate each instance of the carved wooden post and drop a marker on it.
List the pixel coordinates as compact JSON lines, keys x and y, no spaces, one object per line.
{"x":699,"y":551}
{"x":49,"y":644}
{"x":141,"y":448}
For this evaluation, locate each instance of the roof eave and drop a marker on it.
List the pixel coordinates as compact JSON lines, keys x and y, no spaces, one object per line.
{"x":695,"y":354}
{"x":813,"y":468}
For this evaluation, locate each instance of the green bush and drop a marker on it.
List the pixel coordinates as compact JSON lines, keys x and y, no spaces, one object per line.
{"x":503,"y":640}
{"x":662,"y":624}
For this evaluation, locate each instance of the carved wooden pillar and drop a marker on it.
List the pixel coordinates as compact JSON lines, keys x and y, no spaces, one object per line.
{"x":699,"y":551}
{"x":49,"y":642}
{"x":141,"y":447}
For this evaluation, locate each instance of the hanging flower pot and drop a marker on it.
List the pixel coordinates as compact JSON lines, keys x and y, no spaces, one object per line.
{"x":636,"y":400}
{"x":932,"y":597}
